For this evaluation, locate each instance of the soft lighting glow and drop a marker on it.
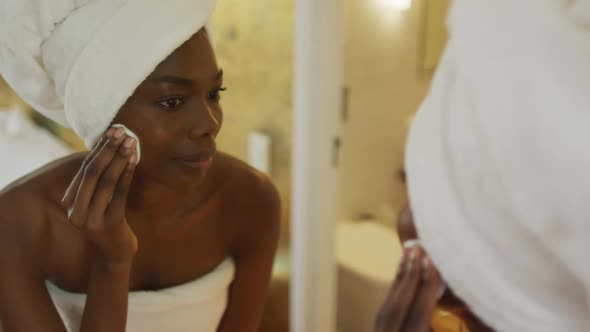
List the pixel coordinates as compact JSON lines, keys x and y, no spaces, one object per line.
{"x":400,"y":5}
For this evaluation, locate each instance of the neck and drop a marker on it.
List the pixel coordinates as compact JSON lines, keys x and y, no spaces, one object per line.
{"x":160,"y":200}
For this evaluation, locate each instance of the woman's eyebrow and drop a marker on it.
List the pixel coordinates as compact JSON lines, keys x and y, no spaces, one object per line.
{"x":181,"y":80}
{"x":173,"y":80}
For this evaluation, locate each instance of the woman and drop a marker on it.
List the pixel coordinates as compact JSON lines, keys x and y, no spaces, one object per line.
{"x":94,"y":231}
{"x":497,"y":166}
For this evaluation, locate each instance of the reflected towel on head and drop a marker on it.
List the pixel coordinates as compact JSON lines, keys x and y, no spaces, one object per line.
{"x":497,"y":163}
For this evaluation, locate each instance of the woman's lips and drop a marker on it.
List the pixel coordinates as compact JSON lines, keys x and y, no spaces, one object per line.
{"x":196,"y":160}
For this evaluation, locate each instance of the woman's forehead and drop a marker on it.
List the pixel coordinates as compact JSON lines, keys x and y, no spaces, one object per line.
{"x":194,"y":59}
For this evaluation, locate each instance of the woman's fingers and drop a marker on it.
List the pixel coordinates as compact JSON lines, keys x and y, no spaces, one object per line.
{"x":402,"y":273}
{"x":401,"y":295}
{"x":420,"y":315}
{"x":70,"y":195}
{"x":109,"y":181}
{"x":116,"y":210}
{"x":91,"y":174}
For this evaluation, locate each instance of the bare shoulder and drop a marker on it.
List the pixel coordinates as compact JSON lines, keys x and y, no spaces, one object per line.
{"x":253,"y":205}
{"x":247,"y":187}
{"x":252,"y":202}
{"x":28,"y":205}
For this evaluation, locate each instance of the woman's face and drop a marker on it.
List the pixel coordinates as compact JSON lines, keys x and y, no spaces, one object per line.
{"x":176,"y":114}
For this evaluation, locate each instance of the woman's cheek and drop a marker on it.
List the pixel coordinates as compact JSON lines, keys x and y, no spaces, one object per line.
{"x":157,"y":143}
{"x":161,"y":136}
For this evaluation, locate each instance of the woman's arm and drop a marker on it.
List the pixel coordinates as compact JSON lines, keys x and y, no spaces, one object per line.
{"x":106,"y":301}
{"x":25,"y":304}
{"x":254,"y":260}
{"x":96,"y":201}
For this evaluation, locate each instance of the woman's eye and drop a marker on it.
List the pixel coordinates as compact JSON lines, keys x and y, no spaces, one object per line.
{"x":171,"y":103}
{"x":215,"y":94}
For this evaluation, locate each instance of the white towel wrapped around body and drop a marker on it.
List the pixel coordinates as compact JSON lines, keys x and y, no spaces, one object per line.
{"x":197,"y":305}
{"x":498,"y":163}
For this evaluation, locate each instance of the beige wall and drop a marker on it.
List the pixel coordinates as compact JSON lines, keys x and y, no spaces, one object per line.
{"x":435,"y":31}
{"x":387,"y":84}
{"x":253,"y":41}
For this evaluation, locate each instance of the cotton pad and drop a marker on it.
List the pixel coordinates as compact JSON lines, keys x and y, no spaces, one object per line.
{"x":128,"y":132}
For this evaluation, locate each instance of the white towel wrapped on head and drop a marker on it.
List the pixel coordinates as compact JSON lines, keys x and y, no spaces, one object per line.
{"x":77,"y":61}
{"x":498,"y":163}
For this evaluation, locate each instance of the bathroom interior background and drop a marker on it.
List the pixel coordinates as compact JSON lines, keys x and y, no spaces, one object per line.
{"x":391,"y":50}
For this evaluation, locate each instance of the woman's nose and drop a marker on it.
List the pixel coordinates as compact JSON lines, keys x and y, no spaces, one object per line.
{"x":205,"y":122}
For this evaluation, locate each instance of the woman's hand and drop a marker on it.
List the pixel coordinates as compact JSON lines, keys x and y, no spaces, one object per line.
{"x":412,"y":299}
{"x":97,"y":197}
